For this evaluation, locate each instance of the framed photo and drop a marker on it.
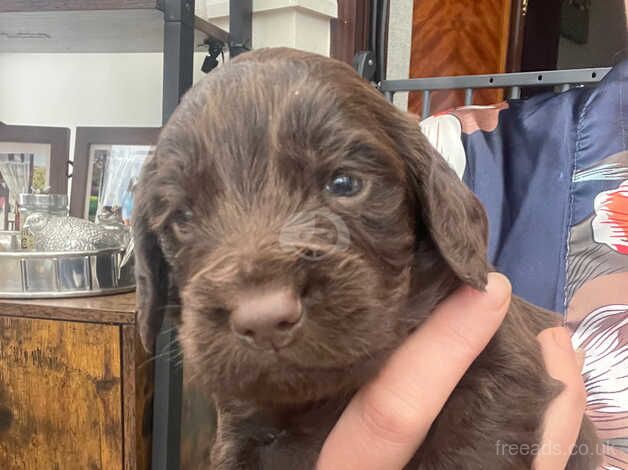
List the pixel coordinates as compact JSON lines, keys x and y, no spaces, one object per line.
{"x":32,"y":159}
{"x":107,"y":162}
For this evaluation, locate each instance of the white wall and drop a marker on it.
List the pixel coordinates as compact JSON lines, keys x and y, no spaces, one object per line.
{"x":80,"y":89}
{"x":70,"y":90}
{"x":302,"y":24}
{"x":399,"y":45}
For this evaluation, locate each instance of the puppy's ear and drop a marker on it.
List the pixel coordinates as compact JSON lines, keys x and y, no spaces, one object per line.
{"x":151,"y":269}
{"x":450,"y":213}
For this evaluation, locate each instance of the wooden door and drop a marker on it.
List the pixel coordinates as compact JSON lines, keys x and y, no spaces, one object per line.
{"x":458,"y":37}
{"x":349,"y":33}
{"x":60,"y":395}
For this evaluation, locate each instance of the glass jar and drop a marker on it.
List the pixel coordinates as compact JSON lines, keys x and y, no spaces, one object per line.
{"x":51,"y":204}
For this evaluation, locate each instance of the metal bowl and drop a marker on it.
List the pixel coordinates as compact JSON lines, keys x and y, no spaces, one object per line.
{"x":37,"y":274}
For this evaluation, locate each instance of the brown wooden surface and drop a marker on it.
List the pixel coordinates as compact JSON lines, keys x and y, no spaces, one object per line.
{"x":144,"y":389}
{"x":518,"y":13}
{"x":103,"y":309}
{"x":65,"y":5}
{"x":129,"y":410}
{"x":349,"y":33}
{"x":88,"y":136}
{"x":137,"y":410}
{"x":60,"y":395}
{"x":59,"y":140}
{"x":210,"y":29}
{"x":450,"y":37}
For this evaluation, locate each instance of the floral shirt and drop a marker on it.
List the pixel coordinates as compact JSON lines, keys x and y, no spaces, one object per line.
{"x":552,"y":172}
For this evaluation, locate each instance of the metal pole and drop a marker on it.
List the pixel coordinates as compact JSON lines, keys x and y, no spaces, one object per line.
{"x":501,"y":80}
{"x":240,"y":26}
{"x":468,"y":96}
{"x":515,"y":93}
{"x":382,"y":41}
{"x":178,"y":52}
{"x":426,"y":104}
{"x":177,"y":78}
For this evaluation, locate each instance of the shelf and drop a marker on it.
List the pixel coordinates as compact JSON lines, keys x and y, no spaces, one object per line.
{"x":76,"y":5}
{"x":88,"y":26}
{"x":118,"y":308}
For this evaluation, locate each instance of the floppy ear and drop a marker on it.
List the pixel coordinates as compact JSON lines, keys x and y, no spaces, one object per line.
{"x":151,"y":269}
{"x":448,"y":210}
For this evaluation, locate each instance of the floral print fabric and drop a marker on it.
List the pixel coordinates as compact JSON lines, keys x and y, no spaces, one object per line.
{"x":552,"y":172}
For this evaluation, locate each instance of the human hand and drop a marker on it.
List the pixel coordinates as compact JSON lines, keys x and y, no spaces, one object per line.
{"x":387,"y":420}
{"x":564,"y":415}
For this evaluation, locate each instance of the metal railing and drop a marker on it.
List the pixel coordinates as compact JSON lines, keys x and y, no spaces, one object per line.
{"x":513,"y":82}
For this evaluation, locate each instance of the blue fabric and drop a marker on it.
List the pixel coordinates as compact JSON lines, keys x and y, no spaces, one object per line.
{"x":524,"y":170}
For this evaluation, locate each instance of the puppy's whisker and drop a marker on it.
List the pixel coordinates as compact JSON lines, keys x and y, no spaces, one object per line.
{"x":168,"y":351}
{"x":168,"y":354}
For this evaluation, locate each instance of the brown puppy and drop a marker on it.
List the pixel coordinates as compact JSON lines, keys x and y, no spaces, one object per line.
{"x":308,"y":227}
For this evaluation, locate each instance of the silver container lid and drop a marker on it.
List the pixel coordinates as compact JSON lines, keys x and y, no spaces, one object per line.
{"x":47,"y":202}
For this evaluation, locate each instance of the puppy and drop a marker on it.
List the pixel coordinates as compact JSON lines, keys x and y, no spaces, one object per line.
{"x":307,"y":227}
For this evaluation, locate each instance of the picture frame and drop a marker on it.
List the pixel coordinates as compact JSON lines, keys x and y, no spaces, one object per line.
{"x":99,"y":153}
{"x":44,"y":153}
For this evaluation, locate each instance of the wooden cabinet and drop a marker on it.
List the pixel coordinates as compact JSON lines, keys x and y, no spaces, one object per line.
{"x":450,"y":37}
{"x":75,"y":385}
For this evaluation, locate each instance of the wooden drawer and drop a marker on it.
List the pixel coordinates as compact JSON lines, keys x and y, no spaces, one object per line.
{"x":75,"y":386}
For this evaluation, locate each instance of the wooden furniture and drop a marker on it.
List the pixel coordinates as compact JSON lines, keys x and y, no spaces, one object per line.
{"x":75,"y":385}
{"x":349,"y":32}
{"x":458,"y":38}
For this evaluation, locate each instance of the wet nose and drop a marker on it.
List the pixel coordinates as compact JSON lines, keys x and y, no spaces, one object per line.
{"x":269,"y":319}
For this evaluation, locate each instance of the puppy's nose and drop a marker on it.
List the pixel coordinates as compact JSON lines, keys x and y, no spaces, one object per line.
{"x":270,"y":319}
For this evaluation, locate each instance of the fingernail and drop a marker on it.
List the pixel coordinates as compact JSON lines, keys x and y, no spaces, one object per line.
{"x":499,"y":289}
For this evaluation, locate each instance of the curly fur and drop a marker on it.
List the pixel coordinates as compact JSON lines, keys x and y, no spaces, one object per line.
{"x":251,"y":147}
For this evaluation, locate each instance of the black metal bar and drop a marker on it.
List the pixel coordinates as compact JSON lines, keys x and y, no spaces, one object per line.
{"x":177,"y":78}
{"x":240,"y":26}
{"x":167,"y":401}
{"x":178,"y":52}
{"x":382,"y":41}
{"x":374,"y":25}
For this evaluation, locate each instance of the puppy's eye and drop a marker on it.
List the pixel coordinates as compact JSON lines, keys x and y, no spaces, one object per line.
{"x":183,"y":216}
{"x":180,"y":220}
{"x":343,"y":185}
{"x":187,"y":215}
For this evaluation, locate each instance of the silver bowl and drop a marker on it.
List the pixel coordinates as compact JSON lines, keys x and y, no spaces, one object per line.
{"x":37,"y":274}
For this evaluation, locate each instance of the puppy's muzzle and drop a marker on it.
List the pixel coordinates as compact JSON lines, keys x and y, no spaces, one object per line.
{"x":270,"y":319}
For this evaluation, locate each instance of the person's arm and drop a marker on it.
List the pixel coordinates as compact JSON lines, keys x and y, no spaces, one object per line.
{"x":388,"y":419}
